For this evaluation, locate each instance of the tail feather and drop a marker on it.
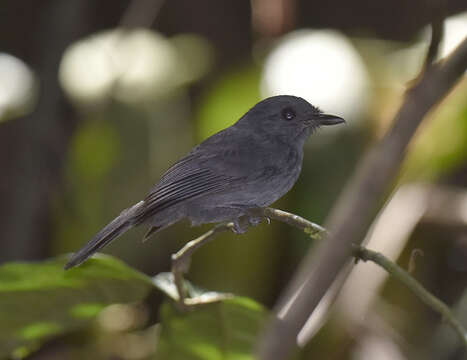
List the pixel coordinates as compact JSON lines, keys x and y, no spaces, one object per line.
{"x":118,"y":226}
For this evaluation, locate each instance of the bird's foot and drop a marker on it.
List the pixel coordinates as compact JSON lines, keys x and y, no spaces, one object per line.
{"x":256,"y":220}
{"x":242,"y":223}
{"x":256,"y":216}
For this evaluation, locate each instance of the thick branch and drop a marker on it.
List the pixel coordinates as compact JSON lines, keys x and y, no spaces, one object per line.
{"x":356,"y":208}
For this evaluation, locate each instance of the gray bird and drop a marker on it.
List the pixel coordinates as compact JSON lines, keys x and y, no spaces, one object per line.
{"x":247,"y":166}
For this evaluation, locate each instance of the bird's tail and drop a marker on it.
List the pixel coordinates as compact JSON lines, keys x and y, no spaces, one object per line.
{"x":122,"y":223}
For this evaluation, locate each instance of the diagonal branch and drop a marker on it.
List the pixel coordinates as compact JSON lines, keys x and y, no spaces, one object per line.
{"x":181,"y":261}
{"x":424,"y":295}
{"x":315,"y":231}
{"x":356,"y":209}
{"x":182,"y":258}
{"x":437,"y":30}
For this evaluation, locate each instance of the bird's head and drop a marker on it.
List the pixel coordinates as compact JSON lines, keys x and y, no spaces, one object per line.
{"x":287,"y":116}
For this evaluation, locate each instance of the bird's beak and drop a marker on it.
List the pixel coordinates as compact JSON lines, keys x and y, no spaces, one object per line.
{"x":326,"y":119}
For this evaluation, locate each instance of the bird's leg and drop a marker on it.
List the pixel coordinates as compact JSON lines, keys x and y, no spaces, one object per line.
{"x":251,"y":217}
{"x":240,"y":224}
{"x":181,"y":264}
{"x":256,"y":220}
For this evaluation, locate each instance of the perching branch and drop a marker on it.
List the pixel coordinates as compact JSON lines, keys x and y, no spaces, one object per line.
{"x":181,"y":259}
{"x":181,"y":262}
{"x":315,"y":231}
{"x":357,"y":207}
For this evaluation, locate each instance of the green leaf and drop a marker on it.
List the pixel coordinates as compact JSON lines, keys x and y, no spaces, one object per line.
{"x":40,"y":300}
{"x":224,"y":330}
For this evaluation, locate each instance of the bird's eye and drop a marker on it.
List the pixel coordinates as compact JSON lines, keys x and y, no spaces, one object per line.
{"x":288,"y":114}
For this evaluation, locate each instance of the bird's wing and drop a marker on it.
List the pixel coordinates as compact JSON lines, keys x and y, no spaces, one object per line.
{"x":220,"y":164}
{"x":187,"y":179}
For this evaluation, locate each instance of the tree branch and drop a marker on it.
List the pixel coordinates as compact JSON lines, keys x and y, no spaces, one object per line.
{"x":424,"y":295}
{"x":356,"y":209}
{"x":318,"y":232}
{"x":181,"y":262}
{"x":315,"y":231}
{"x":437,"y":30}
{"x":182,"y":258}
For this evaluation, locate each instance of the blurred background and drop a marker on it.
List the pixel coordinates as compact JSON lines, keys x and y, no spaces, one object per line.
{"x":99,"y":98}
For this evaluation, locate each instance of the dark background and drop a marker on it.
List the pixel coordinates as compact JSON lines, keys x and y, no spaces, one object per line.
{"x":68,"y":165}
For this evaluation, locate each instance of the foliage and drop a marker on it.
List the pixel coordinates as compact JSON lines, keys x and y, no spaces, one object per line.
{"x":222,"y":330}
{"x":41,"y":300}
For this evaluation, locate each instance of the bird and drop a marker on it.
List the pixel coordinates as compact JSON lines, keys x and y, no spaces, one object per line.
{"x":244,"y":167}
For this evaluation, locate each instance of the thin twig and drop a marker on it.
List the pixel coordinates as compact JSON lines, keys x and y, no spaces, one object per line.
{"x":357,"y":207}
{"x":181,"y":259}
{"x":424,"y":295}
{"x":318,"y":232}
{"x":181,"y":262}
{"x":315,"y":231}
{"x":438,"y":9}
{"x":437,"y":30}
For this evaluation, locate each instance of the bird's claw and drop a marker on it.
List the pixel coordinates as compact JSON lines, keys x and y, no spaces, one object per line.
{"x":240,"y":225}
{"x":255,"y":220}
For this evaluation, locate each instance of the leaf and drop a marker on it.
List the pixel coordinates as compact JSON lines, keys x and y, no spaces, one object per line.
{"x":40,"y":300}
{"x":224,"y":330}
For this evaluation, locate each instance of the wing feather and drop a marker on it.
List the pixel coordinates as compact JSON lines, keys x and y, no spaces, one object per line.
{"x":220,"y":164}
{"x":185,"y":180}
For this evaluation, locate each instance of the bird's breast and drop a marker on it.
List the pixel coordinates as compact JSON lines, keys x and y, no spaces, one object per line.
{"x":293,"y":166}
{"x":279,"y":177}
